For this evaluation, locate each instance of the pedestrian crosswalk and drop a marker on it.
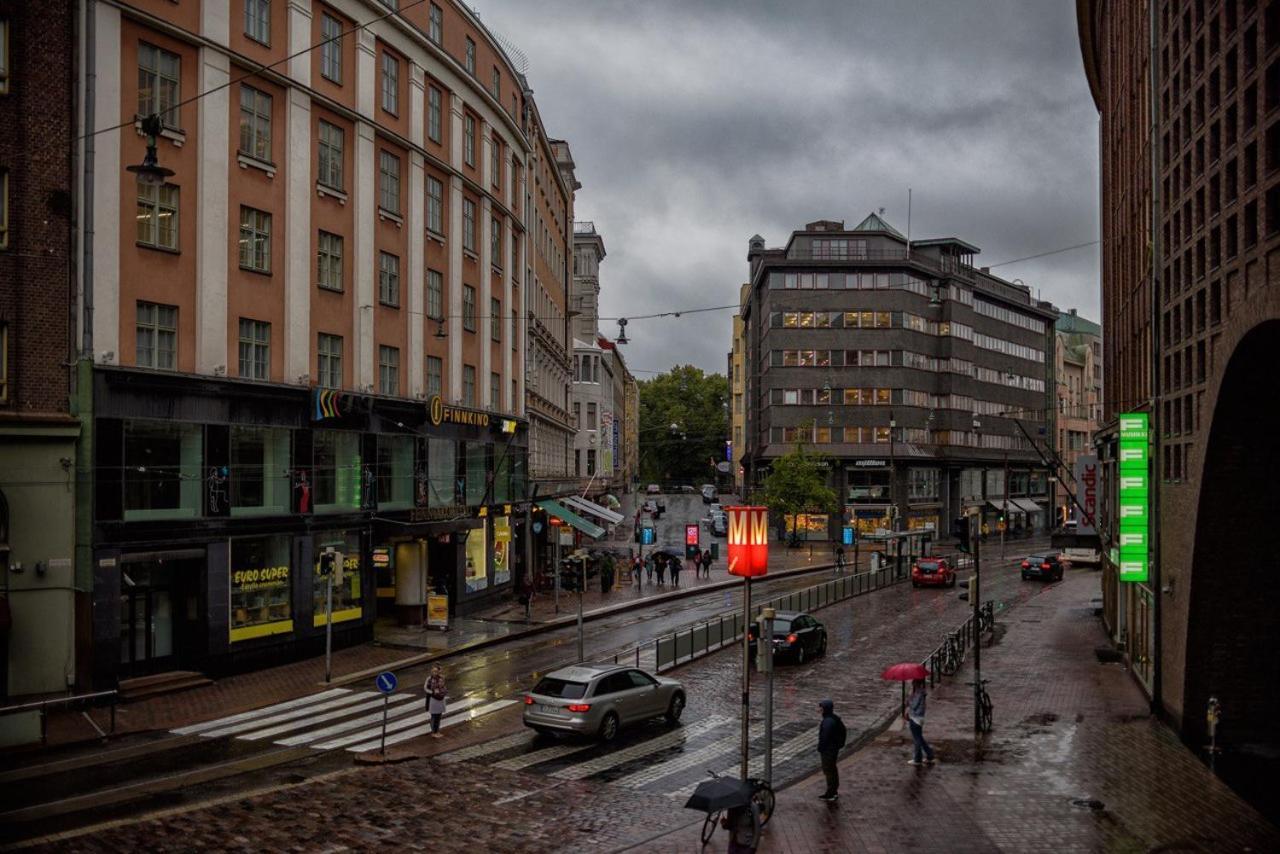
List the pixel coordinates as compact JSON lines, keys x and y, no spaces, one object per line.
{"x":342,"y":719}
{"x":656,"y":758}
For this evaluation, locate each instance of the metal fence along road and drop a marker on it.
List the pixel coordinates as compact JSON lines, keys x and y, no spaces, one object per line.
{"x":702,"y":638}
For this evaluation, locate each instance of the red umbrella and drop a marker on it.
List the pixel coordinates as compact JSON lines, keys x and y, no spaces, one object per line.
{"x":904,"y":673}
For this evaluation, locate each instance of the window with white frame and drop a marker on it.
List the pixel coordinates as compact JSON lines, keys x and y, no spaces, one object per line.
{"x":495,"y":319}
{"x":435,"y":295}
{"x":389,"y":182}
{"x":435,"y":24}
{"x":158,"y":83}
{"x":469,"y":225}
{"x":257,"y":20}
{"x":434,"y":99}
{"x":255,"y":123}
{"x":468,"y":385}
{"x":388,"y":279}
{"x":255,"y":240}
{"x":496,"y":86}
{"x":390,"y":83}
{"x":331,"y":48}
{"x":495,"y":390}
{"x":435,"y":375}
{"x":255,"y":349}
{"x":468,"y":308}
{"x":388,"y":370}
{"x":469,"y":60}
{"x":329,"y":361}
{"x":495,"y":162}
{"x":156,"y":339}
{"x":329,"y":261}
{"x":157,"y":215}
{"x":495,"y":243}
{"x":469,"y":140}
{"x":435,"y":205}
{"x":331,"y":140}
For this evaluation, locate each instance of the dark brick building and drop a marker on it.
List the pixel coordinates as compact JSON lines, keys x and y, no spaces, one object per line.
{"x":37,"y":430}
{"x":906,"y":366}
{"x":1189,"y":96}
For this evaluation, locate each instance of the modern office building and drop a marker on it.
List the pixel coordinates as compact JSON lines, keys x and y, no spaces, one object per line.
{"x":737,"y":393}
{"x":310,"y":330}
{"x":1077,"y":357}
{"x":907,"y":367}
{"x":44,"y":601}
{"x":1189,"y":98}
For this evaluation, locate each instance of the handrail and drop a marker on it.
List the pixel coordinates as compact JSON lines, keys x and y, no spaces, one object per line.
{"x":91,"y":700}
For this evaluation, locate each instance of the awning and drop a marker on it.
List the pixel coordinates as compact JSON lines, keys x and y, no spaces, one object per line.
{"x":1026,"y":505}
{"x":555,"y":508}
{"x":585,"y":506}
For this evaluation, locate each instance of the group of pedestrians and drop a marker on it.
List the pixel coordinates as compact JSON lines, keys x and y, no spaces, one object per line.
{"x":665,"y":565}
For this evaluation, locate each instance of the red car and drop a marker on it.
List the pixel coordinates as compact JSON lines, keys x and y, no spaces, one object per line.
{"x":933,"y":572}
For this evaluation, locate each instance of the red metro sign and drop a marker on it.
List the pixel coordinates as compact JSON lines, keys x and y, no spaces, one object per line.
{"x":748,"y":541}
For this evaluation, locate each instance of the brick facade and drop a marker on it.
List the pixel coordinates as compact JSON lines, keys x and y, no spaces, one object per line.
{"x":35,"y":151}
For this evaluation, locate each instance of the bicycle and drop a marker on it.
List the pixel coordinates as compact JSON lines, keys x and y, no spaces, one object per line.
{"x":950,"y":659}
{"x":984,"y":706}
{"x":761,"y":795}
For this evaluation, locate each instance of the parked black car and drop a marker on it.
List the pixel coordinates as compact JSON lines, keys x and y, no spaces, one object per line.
{"x":795,"y":634}
{"x":1047,"y":566}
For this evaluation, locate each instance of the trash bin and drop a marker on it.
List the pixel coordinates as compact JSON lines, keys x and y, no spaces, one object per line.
{"x":715,"y":550}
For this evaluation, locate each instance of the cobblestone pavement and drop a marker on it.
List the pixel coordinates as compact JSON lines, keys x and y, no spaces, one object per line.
{"x":1067,"y":729}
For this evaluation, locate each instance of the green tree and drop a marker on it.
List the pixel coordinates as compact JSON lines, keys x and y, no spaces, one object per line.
{"x":797,"y":483}
{"x":684,"y":422}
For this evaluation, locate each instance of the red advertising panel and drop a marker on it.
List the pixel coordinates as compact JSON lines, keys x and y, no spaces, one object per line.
{"x":748,"y":541}
{"x":690,"y":535}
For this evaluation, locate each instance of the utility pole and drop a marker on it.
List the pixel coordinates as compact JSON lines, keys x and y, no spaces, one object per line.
{"x":746,"y":675}
{"x":765,"y":657}
{"x":975,"y":594}
{"x":1004,"y":516}
{"x":582,"y":582}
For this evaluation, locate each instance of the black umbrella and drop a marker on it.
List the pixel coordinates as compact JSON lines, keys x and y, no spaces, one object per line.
{"x":719,"y":794}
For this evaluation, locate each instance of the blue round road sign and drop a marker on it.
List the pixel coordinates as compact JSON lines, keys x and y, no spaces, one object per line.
{"x":386,"y":682}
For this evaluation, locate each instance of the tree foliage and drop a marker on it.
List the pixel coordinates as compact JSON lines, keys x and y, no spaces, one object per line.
{"x":697,"y":404}
{"x":797,"y":483}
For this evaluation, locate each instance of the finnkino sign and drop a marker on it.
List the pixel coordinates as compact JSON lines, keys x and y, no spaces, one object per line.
{"x":1134,"y":507}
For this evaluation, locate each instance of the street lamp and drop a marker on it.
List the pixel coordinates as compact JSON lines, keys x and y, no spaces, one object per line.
{"x":622,"y":332}
{"x":150,"y":172}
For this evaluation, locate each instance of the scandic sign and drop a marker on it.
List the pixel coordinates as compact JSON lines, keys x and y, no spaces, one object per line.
{"x":748,"y":541}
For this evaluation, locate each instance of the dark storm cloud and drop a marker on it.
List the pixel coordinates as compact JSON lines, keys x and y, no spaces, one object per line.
{"x":696,"y":124}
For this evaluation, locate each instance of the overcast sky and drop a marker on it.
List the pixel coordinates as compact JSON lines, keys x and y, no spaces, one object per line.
{"x":697,"y":123}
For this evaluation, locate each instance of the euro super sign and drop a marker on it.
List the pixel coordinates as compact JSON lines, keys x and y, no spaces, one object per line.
{"x":264,"y":575}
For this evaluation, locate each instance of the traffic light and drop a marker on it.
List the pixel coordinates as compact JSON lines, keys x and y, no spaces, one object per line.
{"x":961,"y":531}
{"x":326,"y":564}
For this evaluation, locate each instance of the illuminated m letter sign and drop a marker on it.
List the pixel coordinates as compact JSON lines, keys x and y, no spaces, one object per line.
{"x":748,"y":541}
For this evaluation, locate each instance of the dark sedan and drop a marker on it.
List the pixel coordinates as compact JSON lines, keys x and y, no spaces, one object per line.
{"x":1046,"y":566}
{"x":795,"y":635}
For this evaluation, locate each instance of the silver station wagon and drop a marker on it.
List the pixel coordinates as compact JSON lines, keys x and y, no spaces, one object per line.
{"x":599,"y":699}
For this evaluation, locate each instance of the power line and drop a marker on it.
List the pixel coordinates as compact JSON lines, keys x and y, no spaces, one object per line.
{"x":1044,"y":254}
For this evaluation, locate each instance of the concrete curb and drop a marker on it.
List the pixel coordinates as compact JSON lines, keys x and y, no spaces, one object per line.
{"x":559,"y":623}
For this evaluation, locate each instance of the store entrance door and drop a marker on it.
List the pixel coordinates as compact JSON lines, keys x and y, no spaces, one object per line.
{"x":154,"y":619}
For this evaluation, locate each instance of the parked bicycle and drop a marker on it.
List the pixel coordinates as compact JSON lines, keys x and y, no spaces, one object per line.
{"x":761,"y":795}
{"x":984,"y":706}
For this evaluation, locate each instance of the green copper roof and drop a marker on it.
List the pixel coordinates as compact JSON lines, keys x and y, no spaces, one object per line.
{"x":873,"y":222}
{"x":1068,"y":323}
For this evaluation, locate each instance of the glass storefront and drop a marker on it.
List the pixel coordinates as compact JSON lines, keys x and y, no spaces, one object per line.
{"x":347,"y":596}
{"x":477,"y":571}
{"x":867,"y":520}
{"x":476,"y":454}
{"x":336,"y":458}
{"x":922,"y":522}
{"x":162,"y":470}
{"x":395,"y":472}
{"x":501,"y":549}
{"x":442,"y":472}
{"x":259,"y":462}
{"x":261,"y":593}
{"x":868,"y":484}
{"x":808,"y":526}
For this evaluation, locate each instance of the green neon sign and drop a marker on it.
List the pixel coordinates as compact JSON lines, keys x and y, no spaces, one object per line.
{"x":1133,"y":509}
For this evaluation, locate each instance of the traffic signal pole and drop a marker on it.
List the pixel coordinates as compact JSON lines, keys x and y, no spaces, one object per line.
{"x":975,"y":594}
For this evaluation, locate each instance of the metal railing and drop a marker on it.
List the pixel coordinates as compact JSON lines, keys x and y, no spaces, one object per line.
{"x":957,"y":643}
{"x":87,"y":701}
{"x":687,"y":644}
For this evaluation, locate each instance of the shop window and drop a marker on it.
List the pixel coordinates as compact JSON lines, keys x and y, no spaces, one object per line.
{"x":476,"y":576}
{"x":923,"y":484}
{"x":261,"y":595}
{"x":336,"y":459}
{"x":503,"y":474}
{"x":347,"y":596}
{"x":442,"y":472}
{"x":870,"y":485}
{"x":501,"y":549}
{"x":259,"y":459}
{"x":808,"y":526}
{"x":395,"y":472}
{"x":475,"y":459}
{"x":162,"y":470}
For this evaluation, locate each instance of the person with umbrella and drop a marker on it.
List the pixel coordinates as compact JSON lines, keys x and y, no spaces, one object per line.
{"x":915,"y":720}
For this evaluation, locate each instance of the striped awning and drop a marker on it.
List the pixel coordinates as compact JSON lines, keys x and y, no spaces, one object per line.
{"x":564,"y":514}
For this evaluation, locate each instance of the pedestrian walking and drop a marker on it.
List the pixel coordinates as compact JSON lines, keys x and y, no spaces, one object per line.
{"x":697,"y":564}
{"x":648,"y":568}
{"x":831,"y":738}
{"x":436,"y":692}
{"x":660,"y":565}
{"x":743,"y":824}
{"x":675,"y":572}
{"x":839,"y":560}
{"x":915,"y":720}
{"x":706,"y":563}
{"x":637,"y":570}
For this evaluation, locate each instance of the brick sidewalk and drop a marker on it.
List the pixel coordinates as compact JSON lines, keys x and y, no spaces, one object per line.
{"x":1067,"y":728}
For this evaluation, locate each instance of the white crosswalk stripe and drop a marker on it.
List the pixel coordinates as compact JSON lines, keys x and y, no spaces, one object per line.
{"x":644,"y":748}
{"x":305,"y":723}
{"x":703,"y":755}
{"x":397,"y":725}
{"x":292,"y":714}
{"x":394,"y":713}
{"x":472,"y":714}
{"x":782,"y":753}
{"x":258,"y":713}
{"x":533,"y":757}
{"x":485,"y":748}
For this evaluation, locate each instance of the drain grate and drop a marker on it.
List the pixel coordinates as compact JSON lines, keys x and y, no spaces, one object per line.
{"x":1088,"y":804}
